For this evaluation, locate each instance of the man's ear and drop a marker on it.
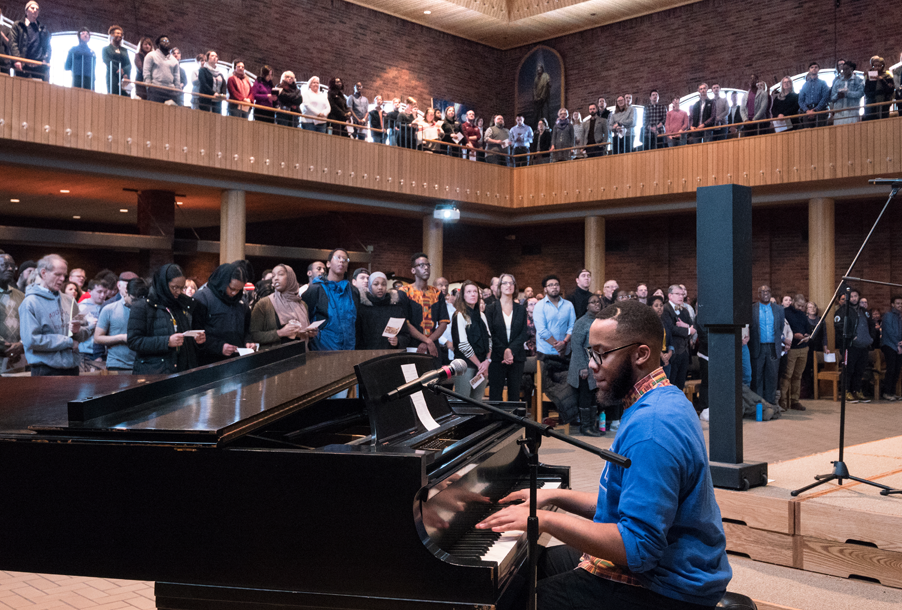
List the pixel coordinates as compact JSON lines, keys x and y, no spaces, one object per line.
{"x":643,"y":354}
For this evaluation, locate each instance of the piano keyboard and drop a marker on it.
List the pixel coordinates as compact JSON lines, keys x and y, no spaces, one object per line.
{"x":487,"y":545}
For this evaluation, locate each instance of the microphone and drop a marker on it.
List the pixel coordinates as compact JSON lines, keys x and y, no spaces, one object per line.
{"x":446,"y":372}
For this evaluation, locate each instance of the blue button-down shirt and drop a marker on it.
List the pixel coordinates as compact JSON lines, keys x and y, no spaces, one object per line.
{"x":766,"y":323}
{"x":814,"y":95}
{"x":521,"y":135}
{"x":553,"y":321}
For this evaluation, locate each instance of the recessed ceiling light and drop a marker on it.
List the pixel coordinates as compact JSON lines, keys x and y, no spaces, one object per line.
{"x":179,"y":203}
{"x":427,"y":12}
{"x":64,"y":190}
{"x":76,"y":217}
{"x":14,"y":201}
{"x":123,"y":210}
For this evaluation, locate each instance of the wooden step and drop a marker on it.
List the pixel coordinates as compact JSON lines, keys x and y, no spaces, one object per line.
{"x":845,"y":560}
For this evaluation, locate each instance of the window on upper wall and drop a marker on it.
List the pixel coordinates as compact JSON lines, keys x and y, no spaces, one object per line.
{"x":61,"y":42}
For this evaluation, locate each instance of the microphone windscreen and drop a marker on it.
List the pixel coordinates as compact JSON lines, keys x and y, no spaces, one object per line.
{"x":458,"y":367}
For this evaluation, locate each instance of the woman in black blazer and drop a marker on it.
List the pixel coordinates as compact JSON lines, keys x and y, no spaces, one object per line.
{"x":507,"y":324}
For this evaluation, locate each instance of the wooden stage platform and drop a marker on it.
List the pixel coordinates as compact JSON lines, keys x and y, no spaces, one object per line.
{"x":850,"y":531}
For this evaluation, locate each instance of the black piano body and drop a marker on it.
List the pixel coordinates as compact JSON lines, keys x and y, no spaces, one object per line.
{"x":238,"y":485}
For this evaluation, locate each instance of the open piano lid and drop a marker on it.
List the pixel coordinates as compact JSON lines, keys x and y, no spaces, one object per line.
{"x":213,"y":404}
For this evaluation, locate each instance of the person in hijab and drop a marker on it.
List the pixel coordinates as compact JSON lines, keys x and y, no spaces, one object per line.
{"x":282,"y":316}
{"x":223,"y":316}
{"x":157,"y":326}
{"x":377,"y":306}
{"x":333,"y":299}
{"x":562,"y":136}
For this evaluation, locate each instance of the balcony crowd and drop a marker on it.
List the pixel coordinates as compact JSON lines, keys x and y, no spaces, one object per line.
{"x":313,"y":105}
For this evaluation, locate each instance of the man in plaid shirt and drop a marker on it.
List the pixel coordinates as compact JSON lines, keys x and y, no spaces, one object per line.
{"x":655,"y":114}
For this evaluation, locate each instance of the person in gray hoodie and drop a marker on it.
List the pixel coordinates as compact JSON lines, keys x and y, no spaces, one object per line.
{"x":48,"y":325}
{"x":162,"y":68}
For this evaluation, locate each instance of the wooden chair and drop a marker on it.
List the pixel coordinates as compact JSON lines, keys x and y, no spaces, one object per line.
{"x":690,"y":389}
{"x":827,"y":372}
{"x":541,"y":398}
{"x":878,"y":368}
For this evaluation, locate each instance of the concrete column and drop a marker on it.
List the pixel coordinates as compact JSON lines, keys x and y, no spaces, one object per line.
{"x":156,"y":216}
{"x":232,"y":227}
{"x":433,"y":244}
{"x":822,"y":255}
{"x":595,"y":246}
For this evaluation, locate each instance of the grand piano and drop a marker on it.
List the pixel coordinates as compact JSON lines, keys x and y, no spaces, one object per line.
{"x":240,"y":485}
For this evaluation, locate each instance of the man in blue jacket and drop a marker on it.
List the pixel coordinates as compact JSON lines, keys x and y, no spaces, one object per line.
{"x":655,"y":539}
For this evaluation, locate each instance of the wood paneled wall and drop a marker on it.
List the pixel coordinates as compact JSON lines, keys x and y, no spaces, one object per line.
{"x":37,"y":113}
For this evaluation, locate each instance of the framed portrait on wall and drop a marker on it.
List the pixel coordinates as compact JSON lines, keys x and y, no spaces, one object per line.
{"x":540,"y":86}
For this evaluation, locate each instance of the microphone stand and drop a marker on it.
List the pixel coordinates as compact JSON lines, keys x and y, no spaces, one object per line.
{"x":534,"y":432}
{"x":840,"y":470}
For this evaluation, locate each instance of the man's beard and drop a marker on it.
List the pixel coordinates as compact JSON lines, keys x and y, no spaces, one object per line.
{"x":619,"y":385}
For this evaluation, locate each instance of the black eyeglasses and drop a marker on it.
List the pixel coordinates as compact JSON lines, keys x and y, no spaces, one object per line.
{"x":598,"y":357}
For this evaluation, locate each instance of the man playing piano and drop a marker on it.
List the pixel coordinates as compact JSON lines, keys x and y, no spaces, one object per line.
{"x":655,"y":539}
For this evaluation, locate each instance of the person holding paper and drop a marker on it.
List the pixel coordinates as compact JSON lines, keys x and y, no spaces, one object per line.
{"x":497,"y":140}
{"x":382,"y":316}
{"x":282,"y":316}
{"x":334,"y":301}
{"x":161,"y":328}
{"x":472,"y":342}
{"x":878,"y":87}
{"x":222,"y":314}
{"x":49,"y":327}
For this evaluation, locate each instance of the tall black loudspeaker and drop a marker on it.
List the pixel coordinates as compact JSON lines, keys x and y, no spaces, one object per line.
{"x":724,"y":259}
{"x":724,"y":233}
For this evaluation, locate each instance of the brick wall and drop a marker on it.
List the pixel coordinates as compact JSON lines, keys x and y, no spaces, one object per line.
{"x":326,"y":38}
{"x":714,"y":41}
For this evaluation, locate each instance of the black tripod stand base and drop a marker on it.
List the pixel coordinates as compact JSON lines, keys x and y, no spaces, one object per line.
{"x":740,"y":477}
{"x":839,"y":474}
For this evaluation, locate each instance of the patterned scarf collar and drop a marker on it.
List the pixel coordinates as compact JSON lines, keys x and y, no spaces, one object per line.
{"x":655,"y":379}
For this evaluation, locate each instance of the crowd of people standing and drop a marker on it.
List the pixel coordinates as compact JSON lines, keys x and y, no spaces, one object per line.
{"x":269,"y":98}
{"x":57,"y":323}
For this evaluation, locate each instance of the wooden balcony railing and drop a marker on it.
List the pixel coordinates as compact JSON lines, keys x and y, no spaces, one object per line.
{"x":122,"y":133}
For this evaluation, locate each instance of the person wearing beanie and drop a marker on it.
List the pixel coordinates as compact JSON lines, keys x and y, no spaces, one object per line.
{"x":25,"y":271}
{"x":29,"y":39}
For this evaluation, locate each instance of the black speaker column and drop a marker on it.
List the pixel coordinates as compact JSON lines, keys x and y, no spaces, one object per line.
{"x":724,"y":237}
